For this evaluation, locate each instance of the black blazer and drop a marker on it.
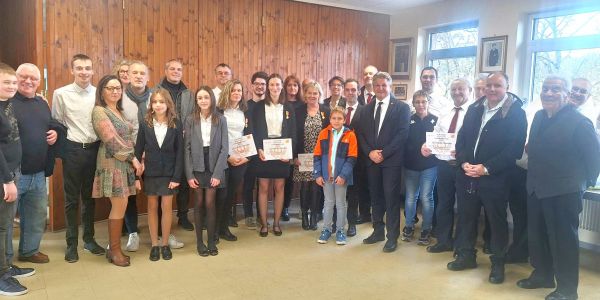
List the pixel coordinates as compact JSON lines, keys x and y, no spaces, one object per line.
{"x":361,"y":97}
{"x":356,"y":119}
{"x":259,"y":127}
{"x":392,"y":134}
{"x":301,"y":114}
{"x":501,"y":142}
{"x":564,"y":155}
{"x":165,"y":161}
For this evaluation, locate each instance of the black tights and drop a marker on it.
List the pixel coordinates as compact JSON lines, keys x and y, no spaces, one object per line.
{"x":205,"y":199}
{"x":309,"y":197}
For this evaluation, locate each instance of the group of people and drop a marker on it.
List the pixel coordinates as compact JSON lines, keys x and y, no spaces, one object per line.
{"x":123,"y":137}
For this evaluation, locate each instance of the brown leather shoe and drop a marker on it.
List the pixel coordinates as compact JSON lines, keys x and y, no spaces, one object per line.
{"x":38,"y":258}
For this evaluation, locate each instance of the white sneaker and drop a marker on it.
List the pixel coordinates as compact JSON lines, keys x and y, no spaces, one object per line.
{"x":133,"y":244}
{"x":174,"y":243}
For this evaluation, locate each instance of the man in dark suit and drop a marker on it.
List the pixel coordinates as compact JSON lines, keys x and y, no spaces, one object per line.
{"x":564,"y":159}
{"x":383,"y":130}
{"x":367,"y":94}
{"x":359,"y":190}
{"x":489,"y":142}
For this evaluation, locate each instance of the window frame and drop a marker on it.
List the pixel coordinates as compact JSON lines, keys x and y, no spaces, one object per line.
{"x":459,"y":52}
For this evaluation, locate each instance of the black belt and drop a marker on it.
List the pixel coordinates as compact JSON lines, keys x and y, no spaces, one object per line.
{"x":84,"y":145}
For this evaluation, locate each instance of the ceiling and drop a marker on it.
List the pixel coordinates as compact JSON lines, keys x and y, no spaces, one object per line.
{"x":388,"y":7}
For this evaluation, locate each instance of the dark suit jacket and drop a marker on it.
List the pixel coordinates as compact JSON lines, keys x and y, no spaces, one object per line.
{"x":392,"y":134}
{"x":165,"y":161}
{"x":259,"y":127}
{"x":301,"y":114}
{"x":500,"y":145}
{"x":356,"y":119}
{"x":361,"y":98}
{"x":564,"y":155}
{"x":194,"y":149}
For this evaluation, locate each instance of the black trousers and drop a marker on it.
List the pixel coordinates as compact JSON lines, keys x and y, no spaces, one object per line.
{"x":225,"y":202}
{"x":79,"y":167}
{"x":183,"y":198}
{"x":248,"y":188}
{"x":554,"y":240}
{"x":288,"y":189}
{"x":444,"y":209}
{"x":131,"y":214}
{"x":361,"y":186}
{"x":517,"y":203}
{"x":384,"y":184}
{"x":470,"y":198}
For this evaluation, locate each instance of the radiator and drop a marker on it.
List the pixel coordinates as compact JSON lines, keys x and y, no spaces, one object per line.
{"x":589,"y":222}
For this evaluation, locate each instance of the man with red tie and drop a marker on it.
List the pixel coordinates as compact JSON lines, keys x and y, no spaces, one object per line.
{"x":450,"y":122}
{"x":367,"y":93}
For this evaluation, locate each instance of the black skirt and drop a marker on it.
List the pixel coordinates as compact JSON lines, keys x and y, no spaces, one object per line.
{"x":158,"y":186}
{"x":204,"y":177}
{"x":272,"y":169}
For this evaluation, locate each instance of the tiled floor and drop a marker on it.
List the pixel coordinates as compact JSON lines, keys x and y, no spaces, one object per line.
{"x":292,"y":266}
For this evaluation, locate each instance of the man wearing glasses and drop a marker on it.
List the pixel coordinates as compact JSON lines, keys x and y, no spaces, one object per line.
{"x":223,"y":74}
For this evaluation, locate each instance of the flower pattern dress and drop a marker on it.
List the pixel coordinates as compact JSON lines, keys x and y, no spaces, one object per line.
{"x":312,"y":128}
{"x":115,"y":176}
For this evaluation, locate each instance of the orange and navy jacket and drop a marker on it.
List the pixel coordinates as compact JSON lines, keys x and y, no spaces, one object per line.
{"x":345,"y":156}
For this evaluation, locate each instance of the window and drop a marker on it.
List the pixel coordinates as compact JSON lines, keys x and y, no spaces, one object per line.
{"x":452,"y":50}
{"x":565,"y":43}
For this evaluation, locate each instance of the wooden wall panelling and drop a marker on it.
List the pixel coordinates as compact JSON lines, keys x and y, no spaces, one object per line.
{"x":87,"y":26}
{"x":19,"y":22}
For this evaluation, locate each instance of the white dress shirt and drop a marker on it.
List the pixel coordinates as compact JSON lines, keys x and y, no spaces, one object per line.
{"x":217,"y":92}
{"x":236,"y":122}
{"x":439,"y":104}
{"x":72,"y":106}
{"x":160,"y":131}
{"x":354,"y":107}
{"x":443,"y":124}
{"x":274,"y":118}
{"x":205,"y":127}
{"x":384,"y":106}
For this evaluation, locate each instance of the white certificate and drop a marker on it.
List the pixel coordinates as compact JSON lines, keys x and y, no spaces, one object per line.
{"x":441,"y":143}
{"x":277,"y":149}
{"x":306,"y":162}
{"x":243,"y":146}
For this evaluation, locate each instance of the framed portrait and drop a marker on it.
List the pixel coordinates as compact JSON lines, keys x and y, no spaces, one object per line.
{"x":492,"y":56}
{"x":399,"y":91}
{"x":401,"y":53}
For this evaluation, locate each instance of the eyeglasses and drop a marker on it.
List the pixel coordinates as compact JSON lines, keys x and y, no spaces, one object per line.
{"x":579,"y":90}
{"x":113,"y":89}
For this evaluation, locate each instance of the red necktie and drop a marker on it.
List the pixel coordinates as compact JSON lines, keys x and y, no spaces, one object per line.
{"x":348,"y":115}
{"x":370,"y":98}
{"x":452,"y":128}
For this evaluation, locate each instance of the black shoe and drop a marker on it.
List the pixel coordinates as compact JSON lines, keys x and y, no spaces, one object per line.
{"x":351,"y":230}
{"x":285,"y":215}
{"x":71,"y":255}
{"x":313,"y":220}
{"x":277,"y":232}
{"x":264,"y":231}
{"x":390,"y":246}
{"x":305,"y":221}
{"x":228,"y":236}
{"x":529,"y":284}
{"x":376,"y":236}
{"x":556,"y":295}
{"x":497,"y":273}
{"x":407,"y":234}
{"x":166,"y":253}
{"x":212,"y":250}
{"x":487,"y":249}
{"x":155,"y":253}
{"x":463,"y":262}
{"x":439,"y":248}
{"x":94,"y":248}
{"x":184,"y":223}
{"x":202,"y":250}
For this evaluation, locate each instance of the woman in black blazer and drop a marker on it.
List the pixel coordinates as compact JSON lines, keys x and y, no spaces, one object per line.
{"x":273,"y":118}
{"x":311,"y":118}
{"x":160,"y":142}
{"x":232,"y":105}
{"x":205,"y":161}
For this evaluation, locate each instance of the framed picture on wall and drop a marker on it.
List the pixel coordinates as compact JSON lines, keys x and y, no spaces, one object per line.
{"x":399,"y":91}
{"x":492,"y":56}
{"x":401,"y":53}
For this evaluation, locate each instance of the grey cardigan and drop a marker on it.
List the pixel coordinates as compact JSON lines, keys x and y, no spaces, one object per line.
{"x":193,"y":148}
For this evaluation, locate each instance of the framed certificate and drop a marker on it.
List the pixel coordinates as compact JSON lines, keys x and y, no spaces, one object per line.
{"x":277,"y":149}
{"x":306,"y":162}
{"x":441,"y":143}
{"x":243,"y":146}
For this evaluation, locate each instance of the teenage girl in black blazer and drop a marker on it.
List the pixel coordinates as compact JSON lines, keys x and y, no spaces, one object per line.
{"x":273,"y":119}
{"x":160,"y":142}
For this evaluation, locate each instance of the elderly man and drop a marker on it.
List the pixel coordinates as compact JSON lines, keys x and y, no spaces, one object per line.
{"x":33,"y":117}
{"x":223,"y":74}
{"x":491,"y":139}
{"x":564,"y":158}
{"x":367,"y":94}
{"x":479,"y":88}
{"x":439,"y":103}
{"x":449,"y":122}
{"x":580,"y":92}
{"x":383,"y":130}
{"x":72,"y":106}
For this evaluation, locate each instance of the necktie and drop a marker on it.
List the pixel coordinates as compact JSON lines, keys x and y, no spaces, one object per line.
{"x":452,"y":128}
{"x":377,"y":118}
{"x":348,"y":115}
{"x":370,"y":98}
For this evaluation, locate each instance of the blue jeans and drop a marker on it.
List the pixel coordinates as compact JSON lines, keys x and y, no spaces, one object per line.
{"x":419,"y":185}
{"x":334,"y":195}
{"x":32,"y":205}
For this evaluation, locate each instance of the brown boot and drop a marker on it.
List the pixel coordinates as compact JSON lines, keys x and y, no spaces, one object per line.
{"x":115,"y":255}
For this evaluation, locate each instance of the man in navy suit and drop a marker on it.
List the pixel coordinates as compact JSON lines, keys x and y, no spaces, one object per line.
{"x":382,"y":133}
{"x":367,"y":94}
{"x":564,"y":159}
